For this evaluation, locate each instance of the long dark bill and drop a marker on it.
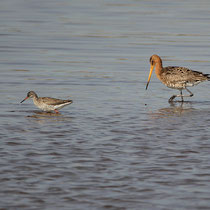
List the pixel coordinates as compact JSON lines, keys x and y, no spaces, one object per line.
{"x":24,"y":99}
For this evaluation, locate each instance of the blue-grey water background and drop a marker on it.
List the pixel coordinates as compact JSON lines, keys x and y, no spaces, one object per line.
{"x":117,"y":146}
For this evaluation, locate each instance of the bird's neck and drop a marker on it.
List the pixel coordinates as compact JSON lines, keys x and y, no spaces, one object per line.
{"x":158,"y":69}
{"x":35,"y":99}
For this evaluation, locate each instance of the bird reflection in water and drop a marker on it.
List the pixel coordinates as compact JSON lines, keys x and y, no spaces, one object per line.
{"x":176,"y":109}
{"x":41,"y":117}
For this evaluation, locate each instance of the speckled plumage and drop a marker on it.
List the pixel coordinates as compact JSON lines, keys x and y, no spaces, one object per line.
{"x":47,"y":103}
{"x":176,"y":77}
{"x":181,"y":77}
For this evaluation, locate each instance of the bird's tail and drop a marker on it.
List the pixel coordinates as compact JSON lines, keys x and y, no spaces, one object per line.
{"x":207,"y":76}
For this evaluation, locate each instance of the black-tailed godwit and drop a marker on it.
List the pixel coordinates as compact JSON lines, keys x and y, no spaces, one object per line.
{"x":176,"y":77}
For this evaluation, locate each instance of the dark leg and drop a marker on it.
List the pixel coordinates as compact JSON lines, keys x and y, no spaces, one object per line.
{"x":182,"y":96}
{"x":172,"y":98}
{"x":191,"y":94}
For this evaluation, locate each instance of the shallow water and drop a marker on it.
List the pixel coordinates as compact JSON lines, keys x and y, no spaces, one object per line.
{"x":117,"y":146}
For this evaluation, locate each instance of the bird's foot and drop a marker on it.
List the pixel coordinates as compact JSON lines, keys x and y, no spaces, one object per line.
{"x":172,"y":98}
{"x":56,"y":111}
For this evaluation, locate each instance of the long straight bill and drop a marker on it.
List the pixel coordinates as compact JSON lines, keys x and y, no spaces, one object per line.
{"x":150,"y":74}
{"x":24,"y":99}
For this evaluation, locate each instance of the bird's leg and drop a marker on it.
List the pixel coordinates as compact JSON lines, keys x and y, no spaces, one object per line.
{"x":172,"y":98}
{"x":182,"y":96}
{"x":56,"y":111}
{"x":191,"y":94}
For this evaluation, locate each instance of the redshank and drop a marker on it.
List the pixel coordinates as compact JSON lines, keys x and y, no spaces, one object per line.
{"x":46,"y":103}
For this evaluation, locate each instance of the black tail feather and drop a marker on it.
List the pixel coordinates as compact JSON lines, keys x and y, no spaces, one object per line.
{"x":208,"y":76}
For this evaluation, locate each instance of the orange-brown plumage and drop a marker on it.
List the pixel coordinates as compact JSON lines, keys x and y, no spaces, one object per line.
{"x":175,"y":77}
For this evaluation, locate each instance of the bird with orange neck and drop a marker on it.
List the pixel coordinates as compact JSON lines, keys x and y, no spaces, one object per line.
{"x":176,"y":77}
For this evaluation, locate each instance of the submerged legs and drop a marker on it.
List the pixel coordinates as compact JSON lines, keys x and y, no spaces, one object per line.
{"x":182,"y":96}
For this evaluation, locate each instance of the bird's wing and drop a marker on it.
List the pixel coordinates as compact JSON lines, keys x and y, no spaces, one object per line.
{"x":53,"y":101}
{"x":183,"y":75}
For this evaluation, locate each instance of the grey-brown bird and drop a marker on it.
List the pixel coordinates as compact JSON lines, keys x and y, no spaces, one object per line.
{"x":46,"y":103}
{"x":176,"y":77}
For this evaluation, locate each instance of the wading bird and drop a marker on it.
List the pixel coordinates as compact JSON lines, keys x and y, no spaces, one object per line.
{"x":46,"y":103}
{"x":176,"y":77}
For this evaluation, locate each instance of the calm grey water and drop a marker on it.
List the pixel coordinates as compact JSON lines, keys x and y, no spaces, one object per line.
{"x":117,"y":146}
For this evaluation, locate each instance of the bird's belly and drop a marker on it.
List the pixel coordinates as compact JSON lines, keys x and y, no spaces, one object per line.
{"x":180,"y":85}
{"x":47,"y":108}
{"x":44,"y":106}
{"x":175,"y":85}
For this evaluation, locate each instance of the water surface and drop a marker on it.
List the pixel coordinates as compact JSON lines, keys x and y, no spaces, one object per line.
{"x":117,"y":146}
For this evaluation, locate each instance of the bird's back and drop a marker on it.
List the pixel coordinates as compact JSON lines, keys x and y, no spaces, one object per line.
{"x":181,"y":77}
{"x":50,"y":104}
{"x":53,"y":101}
